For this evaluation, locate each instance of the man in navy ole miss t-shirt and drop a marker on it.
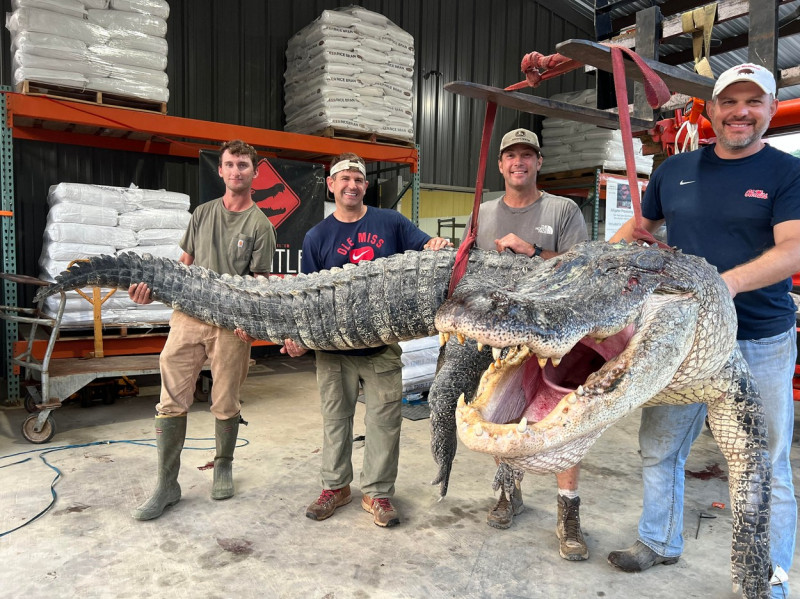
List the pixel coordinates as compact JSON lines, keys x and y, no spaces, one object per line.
{"x":354,"y":233}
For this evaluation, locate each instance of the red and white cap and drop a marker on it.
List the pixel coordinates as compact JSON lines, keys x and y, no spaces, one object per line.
{"x":746,"y":72}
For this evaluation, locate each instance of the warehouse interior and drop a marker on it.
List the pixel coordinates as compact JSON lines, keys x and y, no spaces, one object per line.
{"x":130,"y":124}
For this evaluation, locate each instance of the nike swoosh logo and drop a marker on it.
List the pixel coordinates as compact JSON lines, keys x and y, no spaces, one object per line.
{"x":358,"y":255}
{"x":685,"y":182}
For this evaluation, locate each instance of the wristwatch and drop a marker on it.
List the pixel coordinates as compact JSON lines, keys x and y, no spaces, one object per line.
{"x":537,"y":250}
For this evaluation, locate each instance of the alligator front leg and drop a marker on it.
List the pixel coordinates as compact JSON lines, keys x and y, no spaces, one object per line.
{"x":508,"y":478}
{"x":737,"y":421}
{"x":459,"y":374}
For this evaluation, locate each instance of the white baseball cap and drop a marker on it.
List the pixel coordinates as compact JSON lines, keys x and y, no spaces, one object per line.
{"x":746,"y":72}
{"x":520,"y":136}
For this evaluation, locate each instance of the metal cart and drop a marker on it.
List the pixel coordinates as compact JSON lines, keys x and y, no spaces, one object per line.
{"x":40,"y":426}
{"x":49,"y":381}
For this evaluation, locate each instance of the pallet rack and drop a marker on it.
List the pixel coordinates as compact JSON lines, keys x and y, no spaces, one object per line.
{"x":57,"y":120}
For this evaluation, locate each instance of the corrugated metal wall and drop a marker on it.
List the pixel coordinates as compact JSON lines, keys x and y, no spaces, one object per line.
{"x":227,"y":61}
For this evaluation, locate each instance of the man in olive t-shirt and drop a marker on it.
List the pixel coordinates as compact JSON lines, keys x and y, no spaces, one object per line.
{"x":229,"y":235}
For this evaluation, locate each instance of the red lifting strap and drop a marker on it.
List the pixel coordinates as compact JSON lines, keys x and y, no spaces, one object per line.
{"x":657,"y":94}
{"x":553,"y":65}
{"x":462,"y":256}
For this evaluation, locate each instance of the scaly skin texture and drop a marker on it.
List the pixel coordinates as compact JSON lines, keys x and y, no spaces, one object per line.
{"x":585,"y":339}
{"x":665,"y":319}
{"x":375,"y":303}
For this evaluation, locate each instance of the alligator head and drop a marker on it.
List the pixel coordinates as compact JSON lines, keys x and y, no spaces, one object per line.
{"x":593,"y":334}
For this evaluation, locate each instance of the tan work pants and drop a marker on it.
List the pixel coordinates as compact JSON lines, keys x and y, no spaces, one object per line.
{"x":189,"y":344}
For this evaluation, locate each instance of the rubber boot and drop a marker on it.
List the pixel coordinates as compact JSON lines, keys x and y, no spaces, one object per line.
{"x":226,"y":432}
{"x":170,"y":435}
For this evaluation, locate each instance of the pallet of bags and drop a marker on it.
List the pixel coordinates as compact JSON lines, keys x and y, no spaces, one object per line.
{"x":124,"y":219}
{"x":570,"y":145}
{"x":351,"y":71}
{"x":91,"y":50}
{"x":419,"y":363}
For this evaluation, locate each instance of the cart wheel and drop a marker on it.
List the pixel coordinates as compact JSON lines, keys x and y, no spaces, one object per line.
{"x":43,"y":436}
{"x":30,"y":405}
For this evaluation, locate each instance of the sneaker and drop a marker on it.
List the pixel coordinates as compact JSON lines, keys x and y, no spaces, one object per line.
{"x":381,"y":509}
{"x":327,"y":503}
{"x":637,"y":558}
{"x":503,"y":512}
{"x":572,"y":547}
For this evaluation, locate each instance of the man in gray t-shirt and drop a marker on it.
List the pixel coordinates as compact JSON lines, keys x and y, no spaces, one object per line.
{"x":530,"y":221}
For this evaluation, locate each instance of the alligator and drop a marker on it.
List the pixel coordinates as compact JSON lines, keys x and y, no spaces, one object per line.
{"x":612,"y":328}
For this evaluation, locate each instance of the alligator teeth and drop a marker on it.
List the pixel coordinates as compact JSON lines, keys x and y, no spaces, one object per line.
{"x":478,"y":430}
{"x":523,"y":425}
{"x":542,"y":363}
{"x":572,"y":398}
{"x":461,"y":401}
{"x":496,"y":351}
{"x":460,"y":338}
{"x":443,"y":338}
{"x":555,"y":361}
{"x":480,"y":347}
{"x":579,"y":390}
{"x":491,"y":368}
{"x":498,"y":364}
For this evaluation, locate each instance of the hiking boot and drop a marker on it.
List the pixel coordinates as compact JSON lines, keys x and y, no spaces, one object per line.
{"x":381,"y":509}
{"x":503,"y":512}
{"x":327,"y":503}
{"x":568,"y":529}
{"x":637,"y":558}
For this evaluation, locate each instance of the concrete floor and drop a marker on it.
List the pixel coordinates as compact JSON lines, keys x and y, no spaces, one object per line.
{"x":260,"y":544}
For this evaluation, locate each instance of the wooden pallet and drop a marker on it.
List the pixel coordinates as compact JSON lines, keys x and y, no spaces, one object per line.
{"x":582,"y":173}
{"x":363,"y":136}
{"x":86,"y":96}
{"x":578,"y":173}
{"x":114,"y":330}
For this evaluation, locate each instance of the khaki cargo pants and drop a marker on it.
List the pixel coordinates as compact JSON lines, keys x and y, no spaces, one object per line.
{"x":338,"y":377}
{"x":189,"y":344}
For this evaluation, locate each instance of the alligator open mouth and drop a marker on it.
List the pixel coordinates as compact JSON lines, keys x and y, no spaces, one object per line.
{"x":522,"y":396}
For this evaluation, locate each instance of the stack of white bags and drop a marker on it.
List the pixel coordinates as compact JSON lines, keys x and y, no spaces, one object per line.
{"x":419,"y":363}
{"x":353,"y":70}
{"x":91,"y":220}
{"x":113,"y":46}
{"x":569,"y":145}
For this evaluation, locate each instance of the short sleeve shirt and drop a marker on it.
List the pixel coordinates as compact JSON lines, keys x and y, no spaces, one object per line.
{"x":725,"y":211}
{"x":552,"y":222}
{"x":235,"y":243}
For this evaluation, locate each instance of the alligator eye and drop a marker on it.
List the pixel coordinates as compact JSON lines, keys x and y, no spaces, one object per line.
{"x":648,"y":260}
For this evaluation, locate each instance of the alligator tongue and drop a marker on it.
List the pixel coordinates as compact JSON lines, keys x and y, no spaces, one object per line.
{"x":575,"y":367}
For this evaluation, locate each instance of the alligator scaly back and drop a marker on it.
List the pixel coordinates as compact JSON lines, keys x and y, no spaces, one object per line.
{"x":366,"y":305}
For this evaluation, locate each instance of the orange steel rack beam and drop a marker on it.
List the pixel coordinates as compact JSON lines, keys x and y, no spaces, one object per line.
{"x":84,"y":347}
{"x":63,"y":121}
